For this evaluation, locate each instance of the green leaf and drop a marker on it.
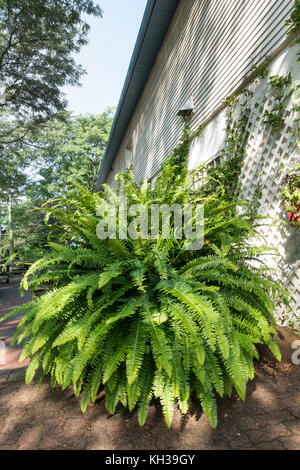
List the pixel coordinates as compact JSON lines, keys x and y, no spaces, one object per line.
{"x":112,"y":271}
{"x":31,"y":370}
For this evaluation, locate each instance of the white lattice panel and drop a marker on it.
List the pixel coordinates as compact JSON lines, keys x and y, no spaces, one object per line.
{"x":268,"y":155}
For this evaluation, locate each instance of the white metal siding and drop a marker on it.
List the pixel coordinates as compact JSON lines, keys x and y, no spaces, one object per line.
{"x":210,"y":47}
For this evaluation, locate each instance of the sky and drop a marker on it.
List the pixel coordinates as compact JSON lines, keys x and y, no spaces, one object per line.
{"x":106,"y":58}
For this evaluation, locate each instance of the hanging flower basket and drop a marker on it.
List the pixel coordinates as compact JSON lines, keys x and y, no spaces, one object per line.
{"x":291,"y":193}
{"x":294,"y":216}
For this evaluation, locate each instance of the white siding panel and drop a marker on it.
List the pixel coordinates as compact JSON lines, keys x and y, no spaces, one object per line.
{"x":210,"y":47}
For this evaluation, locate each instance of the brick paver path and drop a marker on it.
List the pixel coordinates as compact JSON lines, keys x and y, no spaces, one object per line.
{"x":51,"y":419}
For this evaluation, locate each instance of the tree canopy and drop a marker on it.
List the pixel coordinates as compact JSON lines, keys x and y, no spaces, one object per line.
{"x":42,"y":146}
{"x":38,"y":40}
{"x":61,"y":152}
{"x":68,"y":150}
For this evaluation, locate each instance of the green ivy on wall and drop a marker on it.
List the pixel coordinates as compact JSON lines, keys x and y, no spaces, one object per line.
{"x":175,"y":166}
{"x":223,"y":178}
{"x":178,"y":158}
{"x":262,"y":69}
{"x":282,"y":91}
{"x":293,"y":24}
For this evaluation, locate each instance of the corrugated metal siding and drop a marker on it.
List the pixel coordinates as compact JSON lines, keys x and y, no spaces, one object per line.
{"x":210,"y":46}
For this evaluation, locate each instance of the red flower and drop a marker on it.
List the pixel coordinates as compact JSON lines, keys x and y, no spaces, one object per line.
{"x":292,"y":217}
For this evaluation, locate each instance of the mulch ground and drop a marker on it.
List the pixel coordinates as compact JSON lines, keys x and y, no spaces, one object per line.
{"x":52,"y":419}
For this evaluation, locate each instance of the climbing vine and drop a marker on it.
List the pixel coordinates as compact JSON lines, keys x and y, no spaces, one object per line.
{"x":262,"y":69}
{"x":282,"y":91}
{"x":175,"y":166}
{"x":224,"y":176}
{"x":178,"y":158}
{"x":293,"y":24}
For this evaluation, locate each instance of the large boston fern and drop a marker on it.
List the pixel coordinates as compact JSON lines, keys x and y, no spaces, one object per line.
{"x":148,"y":318}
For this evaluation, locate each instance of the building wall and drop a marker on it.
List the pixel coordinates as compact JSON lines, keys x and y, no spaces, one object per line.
{"x":210,"y":47}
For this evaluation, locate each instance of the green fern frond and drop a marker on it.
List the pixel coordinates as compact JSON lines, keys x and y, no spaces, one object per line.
{"x":136,"y":349}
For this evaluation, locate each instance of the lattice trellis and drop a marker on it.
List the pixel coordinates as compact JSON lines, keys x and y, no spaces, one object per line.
{"x":268,"y":155}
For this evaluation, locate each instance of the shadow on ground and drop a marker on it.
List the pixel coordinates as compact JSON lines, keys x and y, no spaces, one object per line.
{"x":52,"y":419}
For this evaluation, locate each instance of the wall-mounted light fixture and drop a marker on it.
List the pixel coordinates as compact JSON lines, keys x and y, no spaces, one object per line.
{"x":188,"y":108}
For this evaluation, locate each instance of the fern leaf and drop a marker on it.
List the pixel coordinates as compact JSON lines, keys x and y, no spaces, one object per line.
{"x":31,"y":370}
{"x":136,"y":349}
{"x":168,"y":403}
{"x":112,"y":271}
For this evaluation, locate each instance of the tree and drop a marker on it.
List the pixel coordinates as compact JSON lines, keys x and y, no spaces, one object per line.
{"x":68,"y":150}
{"x":38,"y":40}
{"x":61,"y":151}
{"x":13,"y":180}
